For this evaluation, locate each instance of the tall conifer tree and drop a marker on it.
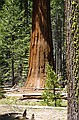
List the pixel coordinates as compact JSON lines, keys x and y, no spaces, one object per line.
{"x":72,"y":61}
{"x":41,"y":47}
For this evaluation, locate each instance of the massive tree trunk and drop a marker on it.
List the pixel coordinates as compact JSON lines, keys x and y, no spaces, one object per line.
{"x":72,"y":10}
{"x":41,"y":47}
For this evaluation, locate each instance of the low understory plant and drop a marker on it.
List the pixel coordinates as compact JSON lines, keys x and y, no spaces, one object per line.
{"x":1,"y":91}
{"x":51,"y":94}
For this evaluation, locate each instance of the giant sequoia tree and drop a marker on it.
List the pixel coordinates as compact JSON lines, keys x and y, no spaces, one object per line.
{"x":41,"y":46}
{"x":72,"y":23}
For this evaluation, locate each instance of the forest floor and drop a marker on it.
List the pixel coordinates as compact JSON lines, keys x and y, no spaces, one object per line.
{"x":41,"y":112}
{"x":12,"y":104}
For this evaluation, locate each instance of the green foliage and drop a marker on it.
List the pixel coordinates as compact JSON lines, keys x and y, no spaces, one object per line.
{"x":15,"y":36}
{"x":52,"y":77}
{"x":51,"y":97}
{"x":14,"y":40}
{"x":58,"y":36}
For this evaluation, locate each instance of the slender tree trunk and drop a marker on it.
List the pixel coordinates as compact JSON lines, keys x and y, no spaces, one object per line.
{"x":41,"y":47}
{"x":26,"y":9}
{"x":13,"y":78}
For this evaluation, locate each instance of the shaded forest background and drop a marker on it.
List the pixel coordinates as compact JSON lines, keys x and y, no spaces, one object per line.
{"x":15,"y":32}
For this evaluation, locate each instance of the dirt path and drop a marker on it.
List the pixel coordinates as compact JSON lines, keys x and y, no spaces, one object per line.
{"x":41,"y":112}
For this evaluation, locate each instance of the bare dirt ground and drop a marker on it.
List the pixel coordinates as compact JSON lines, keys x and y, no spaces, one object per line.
{"x":40,"y":112}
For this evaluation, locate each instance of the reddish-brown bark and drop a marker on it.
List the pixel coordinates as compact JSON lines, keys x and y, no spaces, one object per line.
{"x":41,"y":48}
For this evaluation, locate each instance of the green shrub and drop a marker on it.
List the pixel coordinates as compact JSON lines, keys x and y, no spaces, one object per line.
{"x":50,"y":96}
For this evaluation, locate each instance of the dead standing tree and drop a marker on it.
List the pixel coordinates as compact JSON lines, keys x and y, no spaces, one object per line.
{"x":41,"y":47}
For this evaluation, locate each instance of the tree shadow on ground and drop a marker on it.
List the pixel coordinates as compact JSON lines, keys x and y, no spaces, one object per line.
{"x":16,"y":116}
{"x":9,"y":116}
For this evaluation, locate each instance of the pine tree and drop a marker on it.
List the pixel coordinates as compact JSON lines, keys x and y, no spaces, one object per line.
{"x":57,"y":23}
{"x":14,"y":40}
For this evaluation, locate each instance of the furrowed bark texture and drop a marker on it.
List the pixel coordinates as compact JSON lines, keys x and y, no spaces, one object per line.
{"x":41,"y":47}
{"x":72,"y":58}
